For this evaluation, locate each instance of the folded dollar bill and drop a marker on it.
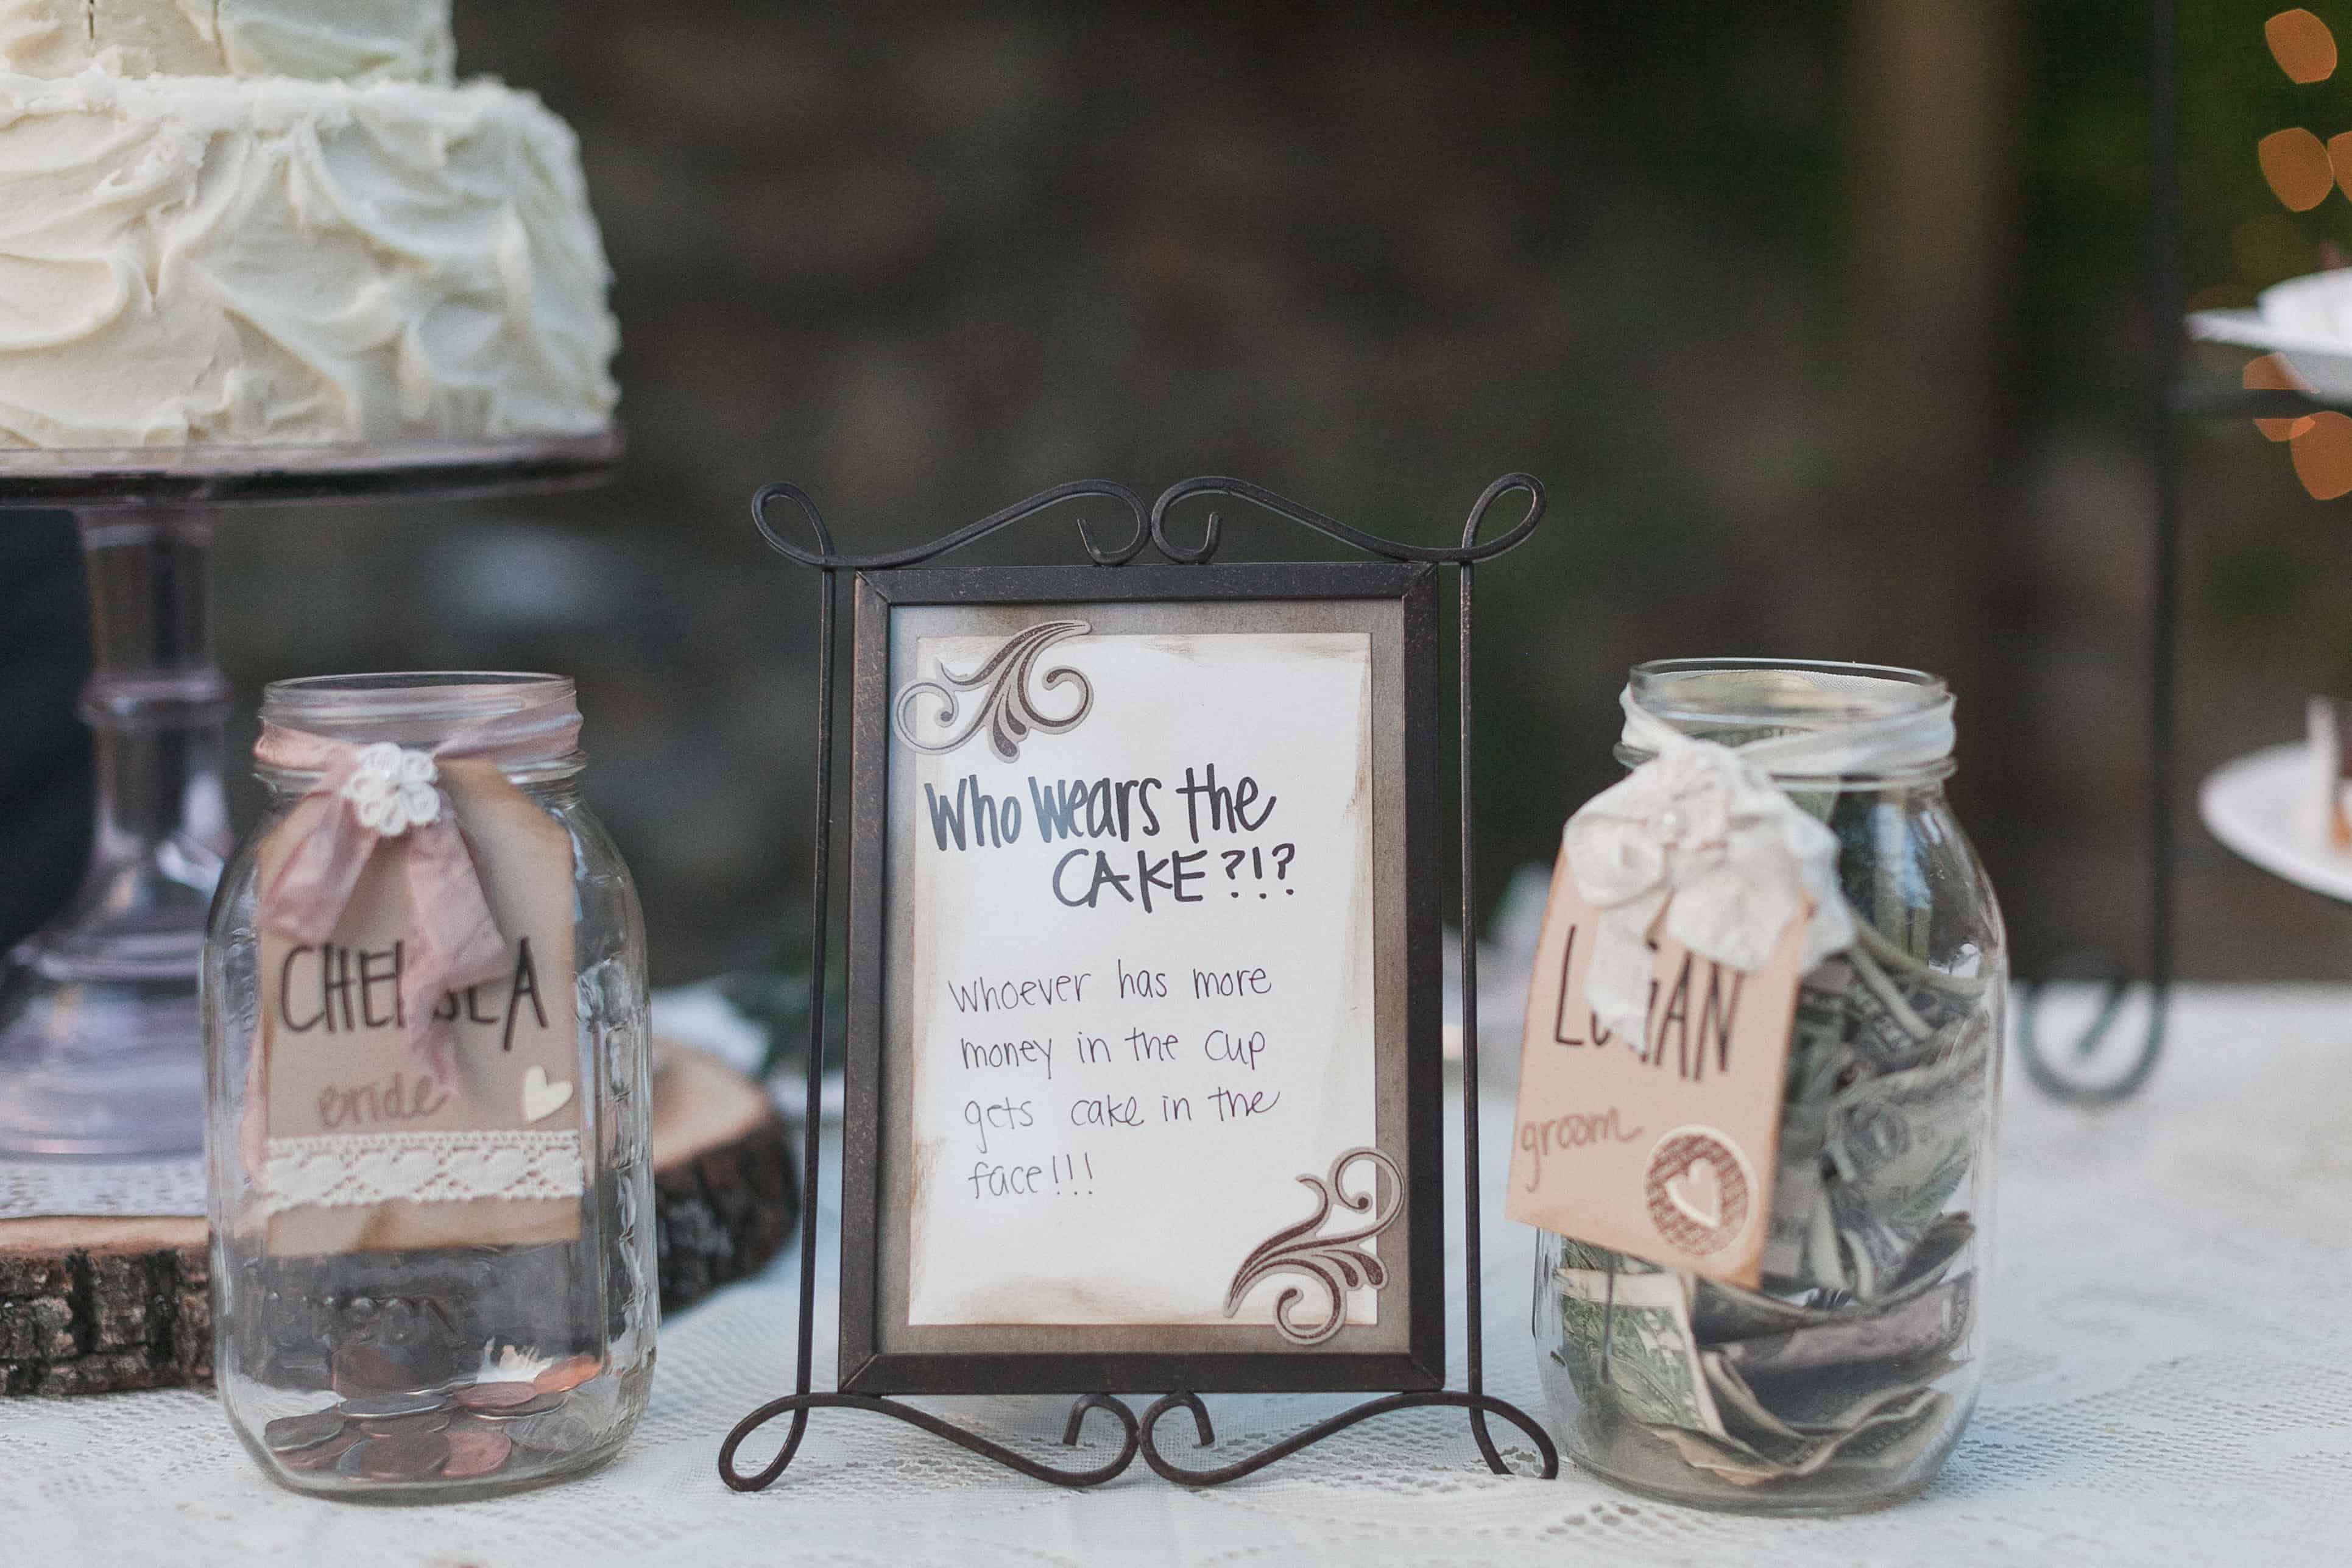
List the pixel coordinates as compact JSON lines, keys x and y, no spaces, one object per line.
{"x":1628,"y":1342}
{"x":1887,"y":1438}
{"x":1721,"y":1312}
{"x":1867,"y":1301}
{"x":1928,"y":1325}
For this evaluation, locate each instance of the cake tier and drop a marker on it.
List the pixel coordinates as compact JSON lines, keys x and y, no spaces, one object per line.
{"x":319,"y":41}
{"x":206,"y":260}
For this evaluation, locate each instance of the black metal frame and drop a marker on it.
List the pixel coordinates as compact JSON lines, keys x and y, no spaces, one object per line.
{"x":2167,"y":305}
{"x":1119,"y":1358}
{"x":1137,"y":1435}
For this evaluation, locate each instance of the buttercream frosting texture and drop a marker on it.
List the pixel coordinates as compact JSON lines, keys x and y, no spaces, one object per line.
{"x":208,"y":257}
{"x":355,"y":40}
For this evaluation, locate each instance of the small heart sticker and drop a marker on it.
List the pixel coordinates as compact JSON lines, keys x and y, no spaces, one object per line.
{"x":1698,"y":1193}
{"x":542,"y":1100}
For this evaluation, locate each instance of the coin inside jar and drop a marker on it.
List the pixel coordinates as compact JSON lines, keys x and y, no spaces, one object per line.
{"x":393,"y":1425}
{"x":483,"y":1397}
{"x":363,"y":1370}
{"x":322,"y":1455}
{"x":538,"y":1405}
{"x":476,"y":1451}
{"x":406,"y":1457}
{"x":375,"y":1407}
{"x":290,"y":1432}
{"x":567,"y":1374}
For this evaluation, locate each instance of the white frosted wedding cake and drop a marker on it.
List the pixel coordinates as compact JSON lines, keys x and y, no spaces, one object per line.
{"x":253,"y":221}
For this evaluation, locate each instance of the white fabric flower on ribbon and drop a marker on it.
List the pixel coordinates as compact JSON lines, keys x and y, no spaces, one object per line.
{"x":391,"y":789}
{"x":383,"y":800}
{"x":1706,"y":837}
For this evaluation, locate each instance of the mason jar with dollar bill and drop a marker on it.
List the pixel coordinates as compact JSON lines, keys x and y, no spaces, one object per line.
{"x":1756,"y":1109}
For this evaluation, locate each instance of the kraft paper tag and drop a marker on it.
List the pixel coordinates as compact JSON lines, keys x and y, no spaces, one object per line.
{"x":345,"y":1094}
{"x":1666,"y":1154}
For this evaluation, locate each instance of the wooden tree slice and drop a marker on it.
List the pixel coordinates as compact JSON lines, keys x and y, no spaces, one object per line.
{"x":89,"y":1305}
{"x":725,"y":1177}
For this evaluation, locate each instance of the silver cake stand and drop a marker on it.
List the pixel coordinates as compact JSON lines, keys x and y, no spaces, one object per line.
{"x":100,"y":1040}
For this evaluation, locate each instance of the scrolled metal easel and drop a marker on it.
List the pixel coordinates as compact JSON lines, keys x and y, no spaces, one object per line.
{"x":1151,"y":528}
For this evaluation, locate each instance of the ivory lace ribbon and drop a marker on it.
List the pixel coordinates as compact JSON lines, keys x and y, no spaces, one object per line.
{"x":348,"y":1170}
{"x":382,"y":798}
{"x":1701,"y":836}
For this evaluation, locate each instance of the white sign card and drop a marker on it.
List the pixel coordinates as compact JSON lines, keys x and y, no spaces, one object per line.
{"x":1137,"y":983}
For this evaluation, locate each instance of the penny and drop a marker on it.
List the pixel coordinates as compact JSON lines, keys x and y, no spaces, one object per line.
{"x":496,"y":1396}
{"x":409,"y":1457}
{"x":324,"y":1454}
{"x":375,"y":1407}
{"x":538,"y":1405}
{"x":567,"y":1374}
{"x":477,"y":1452}
{"x":393,"y":1425}
{"x":363,"y":1370}
{"x":288,"y":1433}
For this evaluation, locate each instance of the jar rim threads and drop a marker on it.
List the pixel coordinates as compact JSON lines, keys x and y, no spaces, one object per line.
{"x":1827,"y":723}
{"x":534,"y":717}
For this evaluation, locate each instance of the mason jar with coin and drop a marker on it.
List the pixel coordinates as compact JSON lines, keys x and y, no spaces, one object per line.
{"x":425,"y":1009}
{"x":1755,"y":1113}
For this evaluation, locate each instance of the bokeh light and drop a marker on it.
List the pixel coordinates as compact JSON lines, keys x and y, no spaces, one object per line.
{"x":2270,"y":372}
{"x":2322,"y":455}
{"x":2339,"y":158}
{"x":2302,"y":45}
{"x":2295,"y":164}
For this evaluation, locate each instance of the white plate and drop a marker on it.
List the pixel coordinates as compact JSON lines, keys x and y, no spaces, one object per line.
{"x":2261,"y":806}
{"x":2324,"y":363}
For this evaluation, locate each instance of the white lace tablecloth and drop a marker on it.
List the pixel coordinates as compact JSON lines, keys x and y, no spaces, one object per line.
{"x":2171,"y":1383}
{"x":29,"y":1188}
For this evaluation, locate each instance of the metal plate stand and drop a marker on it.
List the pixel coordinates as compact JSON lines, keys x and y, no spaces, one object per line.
{"x":2065,"y":1079}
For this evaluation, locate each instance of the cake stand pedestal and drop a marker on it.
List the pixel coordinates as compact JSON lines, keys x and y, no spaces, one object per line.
{"x":100,"y":1041}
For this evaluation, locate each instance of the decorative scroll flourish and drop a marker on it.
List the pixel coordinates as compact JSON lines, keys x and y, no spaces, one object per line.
{"x":824,"y":558}
{"x":1005,"y":707}
{"x":1336,"y":1263}
{"x":798,"y":1405}
{"x":1471,"y":551}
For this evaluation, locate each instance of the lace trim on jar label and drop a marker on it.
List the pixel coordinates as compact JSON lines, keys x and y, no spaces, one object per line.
{"x":351,"y":1170}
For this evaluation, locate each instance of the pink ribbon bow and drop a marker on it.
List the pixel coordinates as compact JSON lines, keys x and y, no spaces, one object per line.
{"x":383,"y":792}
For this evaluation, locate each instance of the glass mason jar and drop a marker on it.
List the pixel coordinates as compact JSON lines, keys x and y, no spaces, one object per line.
{"x":433,"y":1249}
{"x":1845,"y":1379}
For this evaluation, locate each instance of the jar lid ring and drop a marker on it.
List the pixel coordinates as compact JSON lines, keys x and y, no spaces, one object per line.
{"x":1871,"y":734}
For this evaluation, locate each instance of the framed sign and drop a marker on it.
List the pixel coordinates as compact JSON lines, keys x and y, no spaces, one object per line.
{"x":1143,"y":1060}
